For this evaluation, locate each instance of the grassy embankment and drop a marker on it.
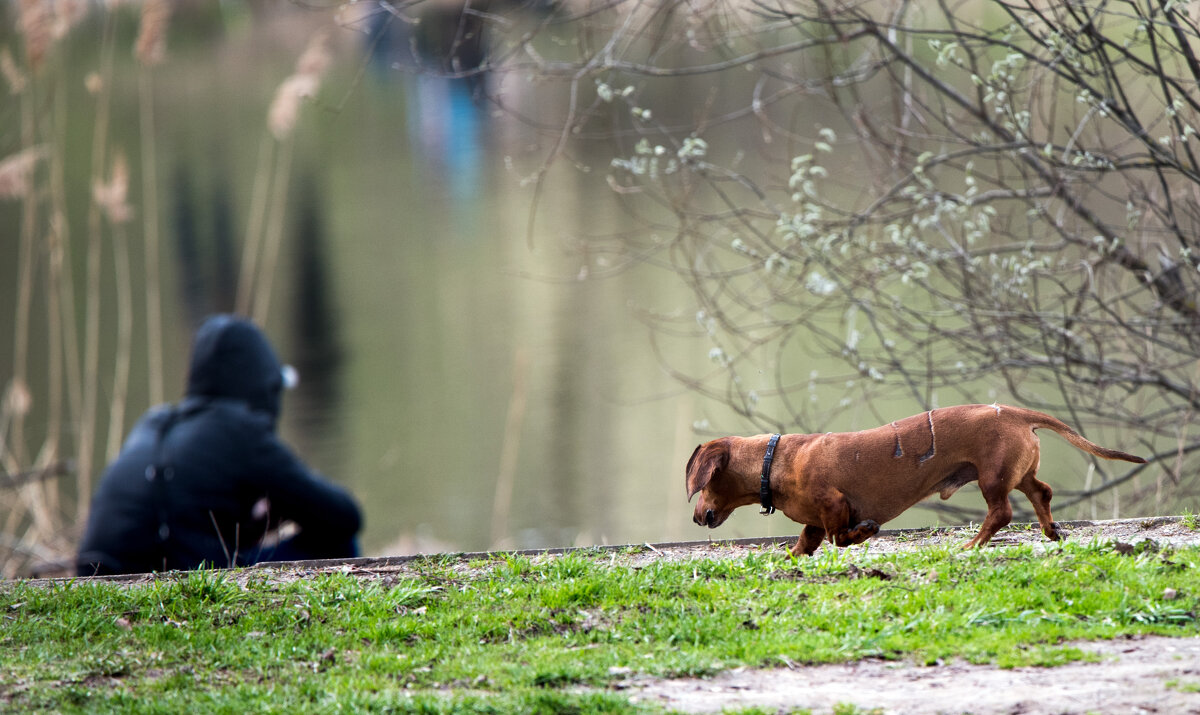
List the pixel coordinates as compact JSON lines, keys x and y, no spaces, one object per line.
{"x":562,"y":633}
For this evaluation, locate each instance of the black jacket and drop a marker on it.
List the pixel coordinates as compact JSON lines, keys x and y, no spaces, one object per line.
{"x":183,"y":489}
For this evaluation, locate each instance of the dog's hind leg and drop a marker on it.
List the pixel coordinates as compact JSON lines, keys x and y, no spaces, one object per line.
{"x":995,"y":492}
{"x":1039,"y":494}
{"x":809,"y":540}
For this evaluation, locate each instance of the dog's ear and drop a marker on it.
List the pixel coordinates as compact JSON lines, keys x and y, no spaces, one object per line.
{"x":705,"y":462}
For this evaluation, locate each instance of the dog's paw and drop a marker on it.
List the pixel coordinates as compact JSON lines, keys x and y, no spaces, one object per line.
{"x":861,"y":532}
{"x":868,"y":526}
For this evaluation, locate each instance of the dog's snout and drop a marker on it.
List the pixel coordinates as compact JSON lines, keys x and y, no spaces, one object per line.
{"x":704,"y":516}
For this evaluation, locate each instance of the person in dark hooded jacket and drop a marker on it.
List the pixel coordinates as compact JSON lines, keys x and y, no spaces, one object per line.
{"x":199,"y":483}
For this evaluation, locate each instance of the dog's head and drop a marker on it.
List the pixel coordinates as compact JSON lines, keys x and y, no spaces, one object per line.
{"x":720,"y":491}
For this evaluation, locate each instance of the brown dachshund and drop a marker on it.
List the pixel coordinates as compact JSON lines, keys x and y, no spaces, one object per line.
{"x":844,"y":485}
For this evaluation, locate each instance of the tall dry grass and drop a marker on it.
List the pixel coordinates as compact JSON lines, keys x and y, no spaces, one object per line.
{"x":269,"y":200}
{"x":150,"y":50}
{"x":48,"y":469}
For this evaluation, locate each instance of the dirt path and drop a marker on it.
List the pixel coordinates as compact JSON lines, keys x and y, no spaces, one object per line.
{"x":1144,"y":675}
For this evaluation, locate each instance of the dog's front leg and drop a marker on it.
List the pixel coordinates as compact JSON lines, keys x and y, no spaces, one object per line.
{"x":809,"y":540}
{"x":839,"y":521}
{"x":861,"y":532}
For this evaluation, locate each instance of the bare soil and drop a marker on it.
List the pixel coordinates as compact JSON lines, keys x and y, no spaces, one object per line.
{"x":1141,"y":675}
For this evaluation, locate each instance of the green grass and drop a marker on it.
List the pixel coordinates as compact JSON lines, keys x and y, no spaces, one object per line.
{"x":1183,"y":686}
{"x":558,"y":634}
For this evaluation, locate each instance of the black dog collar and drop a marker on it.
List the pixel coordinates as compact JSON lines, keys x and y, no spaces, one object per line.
{"x":764,"y":490}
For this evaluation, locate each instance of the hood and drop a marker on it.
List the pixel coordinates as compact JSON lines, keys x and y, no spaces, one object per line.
{"x":231,"y":358}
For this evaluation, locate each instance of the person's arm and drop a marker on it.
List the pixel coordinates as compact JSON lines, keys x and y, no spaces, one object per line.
{"x":327,"y":514}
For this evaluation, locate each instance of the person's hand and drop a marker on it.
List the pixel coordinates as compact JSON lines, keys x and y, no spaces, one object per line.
{"x":261,"y":509}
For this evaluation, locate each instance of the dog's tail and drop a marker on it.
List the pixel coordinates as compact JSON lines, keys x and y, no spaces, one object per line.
{"x":1039,"y":419}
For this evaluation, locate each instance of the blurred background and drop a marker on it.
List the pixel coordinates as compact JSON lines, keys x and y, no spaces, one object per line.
{"x":461,"y":370}
{"x":491,"y":354}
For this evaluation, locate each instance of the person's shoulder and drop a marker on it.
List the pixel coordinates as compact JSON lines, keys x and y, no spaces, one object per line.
{"x":150,"y":420}
{"x":237,"y":414}
{"x":157,"y":413}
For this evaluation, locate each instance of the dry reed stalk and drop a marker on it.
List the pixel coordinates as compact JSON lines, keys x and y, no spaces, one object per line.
{"x":12,"y":521}
{"x":16,"y":172}
{"x":91,"y":370}
{"x":42,"y":526}
{"x":273,"y":238}
{"x":34,"y":508}
{"x":112,"y":195}
{"x":62,"y":321}
{"x":14,"y":76}
{"x":120,"y":384}
{"x":91,"y":341}
{"x":68,"y":14}
{"x":22,"y":169}
{"x":266,"y":232}
{"x":150,"y":235}
{"x":17,"y":397}
{"x":15,"y":403}
{"x":151,"y":45}
{"x":285,"y":108}
{"x":54,"y":387}
{"x":316,"y":58}
{"x":303,"y":84}
{"x":36,"y":26}
{"x":9,"y":508}
{"x":252,"y":242}
{"x":151,"y":49}
{"x":25,"y":548}
{"x":62,"y":341}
